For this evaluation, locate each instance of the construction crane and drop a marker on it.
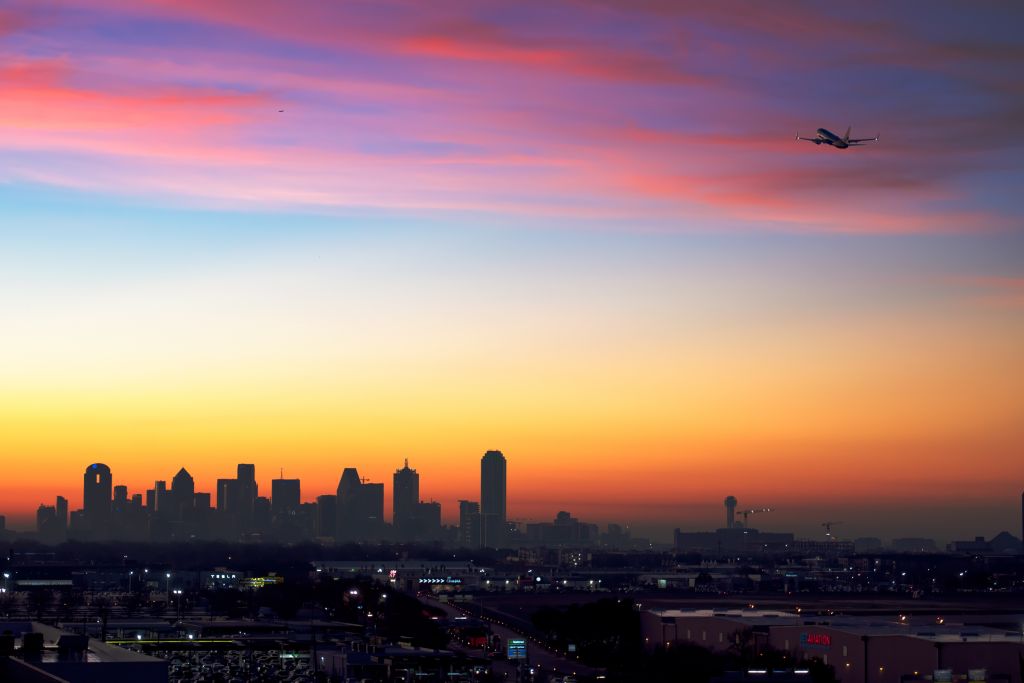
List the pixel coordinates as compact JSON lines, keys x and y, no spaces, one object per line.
{"x":828,"y":529}
{"x":753,"y":511}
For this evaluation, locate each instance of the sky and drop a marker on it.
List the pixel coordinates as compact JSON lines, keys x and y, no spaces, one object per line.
{"x":314,"y":235}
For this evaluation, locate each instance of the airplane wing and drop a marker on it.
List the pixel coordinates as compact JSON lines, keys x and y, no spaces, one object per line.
{"x":856,"y":140}
{"x":817,"y":140}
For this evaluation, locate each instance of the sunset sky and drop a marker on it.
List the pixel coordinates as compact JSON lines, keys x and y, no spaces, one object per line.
{"x":580,"y":232}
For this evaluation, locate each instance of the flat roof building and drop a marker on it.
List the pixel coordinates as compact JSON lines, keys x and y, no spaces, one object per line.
{"x":861,"y":649}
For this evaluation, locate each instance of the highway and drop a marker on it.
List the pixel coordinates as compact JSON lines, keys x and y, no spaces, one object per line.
{"x":538,"y":654}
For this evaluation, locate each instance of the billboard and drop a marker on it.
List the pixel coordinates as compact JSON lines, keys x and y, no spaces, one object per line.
{"x":517,"y":648}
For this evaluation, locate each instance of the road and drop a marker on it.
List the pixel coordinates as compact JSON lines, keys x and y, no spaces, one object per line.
{"x":538,"y":655}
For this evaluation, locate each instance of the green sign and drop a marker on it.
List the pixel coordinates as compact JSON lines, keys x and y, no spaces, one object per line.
{"x":516,"y":648}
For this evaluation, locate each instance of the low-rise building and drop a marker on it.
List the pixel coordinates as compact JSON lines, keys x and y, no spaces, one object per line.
{"x":860,"y":649}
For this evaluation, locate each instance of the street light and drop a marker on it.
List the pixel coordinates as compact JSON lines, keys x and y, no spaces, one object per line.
{"x":131,"y":572}
{"x":177,"y":593}
{"x":168,"y":588}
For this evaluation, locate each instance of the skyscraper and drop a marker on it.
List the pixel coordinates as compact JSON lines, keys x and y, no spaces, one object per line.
{"x":183,"y":494}
{"x":371,"y":509}
{"x":405,"y":504}
{"x":119,"y":506}
{"x":284,"y":497}
{"x":469,"y":524}
{"x":492,"y":499}
{"x":347,"y":504}
{"x":248,"y":491}
{"x":360,"y":508}
{"x":428,"y":521}
{"x":97,"y":497}
{"x":163,"y":498}
{"x":62,"y":515}
{"x":326,"y":516}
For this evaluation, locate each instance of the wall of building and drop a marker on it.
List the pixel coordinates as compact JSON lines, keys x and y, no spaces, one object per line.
{"x":858,"y":657}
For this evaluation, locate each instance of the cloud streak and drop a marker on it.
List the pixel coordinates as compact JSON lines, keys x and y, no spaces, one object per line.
{"x":677,"y":114}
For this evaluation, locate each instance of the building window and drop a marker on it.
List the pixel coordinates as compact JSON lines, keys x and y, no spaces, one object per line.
{"x":786,"y":645}
{"x":721,"y":637}
{"x":844,"y":651}
{"x":688,"y":636}
{"x":703,"y":635}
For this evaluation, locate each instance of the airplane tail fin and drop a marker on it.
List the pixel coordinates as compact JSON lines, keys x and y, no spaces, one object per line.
{"x":846,"y":138}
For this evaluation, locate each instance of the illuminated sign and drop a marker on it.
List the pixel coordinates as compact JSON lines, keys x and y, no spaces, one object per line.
{"x":516,"y":648}
{"x":261,"y":581}
{"x":815,"y":641}
{"x":447,"y":580}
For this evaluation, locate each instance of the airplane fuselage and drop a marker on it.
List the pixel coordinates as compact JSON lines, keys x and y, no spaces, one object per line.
{"x":823,"y":136}
{"x":827,"y":137}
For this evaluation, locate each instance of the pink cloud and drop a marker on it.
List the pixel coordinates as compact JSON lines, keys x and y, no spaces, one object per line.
{"x":40,"y":95}
{"x":480,"y":117}
{"x":476,"y":41}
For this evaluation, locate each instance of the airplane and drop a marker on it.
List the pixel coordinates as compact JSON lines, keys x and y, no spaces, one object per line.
{"x":827,"y":137}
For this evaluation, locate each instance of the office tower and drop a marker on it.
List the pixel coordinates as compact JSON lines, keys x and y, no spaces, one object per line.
{"x":62,"y":514}
{"x":227,"y":494}
{"x":151,"y":500}
{"x":372,"y":509}
{"x":183,"y":493}
{"x":46,"y":520}
{"x":326,"y":516}
{"x":347,"y":526}
{"x":119,"y":506}
{"x":492,"y":499}
{"x":136,"y":501}
{"x":96,"y":498}
{"x":261,"y":517}
{"x":360,"y":508}
{"x":163,"y":500}
{"x":248,"y":492}
{"x":730,"y":512}
{"x":406,"y":498}
{"x":428,"y":521}
{"x":202,"y":516}
{"x":284,"y":497}
{"x":469,"y":524}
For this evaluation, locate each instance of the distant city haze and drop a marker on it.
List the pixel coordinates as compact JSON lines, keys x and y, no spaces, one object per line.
{"x":314,"y":236}
{"x":656,"y":521}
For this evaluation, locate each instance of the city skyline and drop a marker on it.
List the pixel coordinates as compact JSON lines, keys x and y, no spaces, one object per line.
{"x":316,"y":235}
{"x":286,"y":495}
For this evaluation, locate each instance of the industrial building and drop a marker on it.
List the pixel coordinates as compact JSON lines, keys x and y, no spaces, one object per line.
{"x":861,"y":649}
{"x":31,"y":652}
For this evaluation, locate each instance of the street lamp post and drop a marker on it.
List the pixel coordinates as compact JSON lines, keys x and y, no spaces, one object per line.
{"x":177,"y":594}
{"x":131,"y":573}
{"x":168,"y":587}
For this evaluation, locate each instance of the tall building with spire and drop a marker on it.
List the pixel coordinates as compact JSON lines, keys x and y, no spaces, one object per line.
{"x":494,"y":525}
